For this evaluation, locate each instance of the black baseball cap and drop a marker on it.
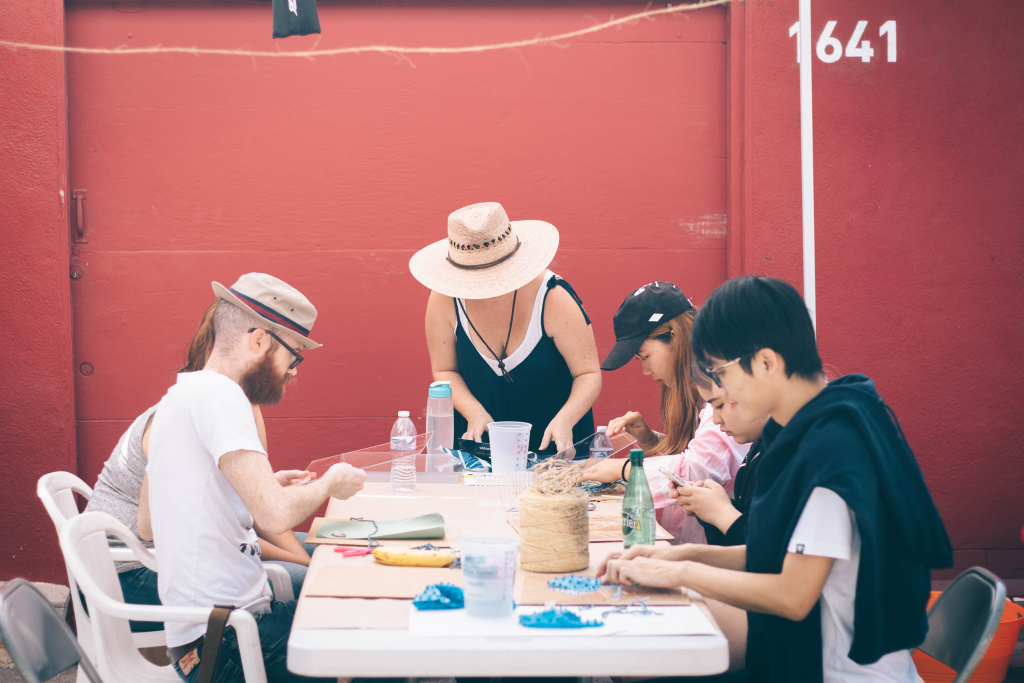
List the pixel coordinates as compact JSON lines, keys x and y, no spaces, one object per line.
{"x":643,"y":310}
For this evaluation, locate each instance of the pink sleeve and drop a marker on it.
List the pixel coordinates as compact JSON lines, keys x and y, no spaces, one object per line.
{"x":711,"y":454}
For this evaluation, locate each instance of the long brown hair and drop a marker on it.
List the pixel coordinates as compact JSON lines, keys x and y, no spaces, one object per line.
{"x":680,"y":404}
{"x":199,"y":349}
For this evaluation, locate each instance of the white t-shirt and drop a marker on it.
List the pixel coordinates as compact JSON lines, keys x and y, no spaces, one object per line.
{"x":208,"y":551}
{"x":827,"y":528}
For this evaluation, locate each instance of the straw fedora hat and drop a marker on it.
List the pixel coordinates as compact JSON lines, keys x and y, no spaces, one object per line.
{"x":282,"y":307}
{"x":486,"y":254}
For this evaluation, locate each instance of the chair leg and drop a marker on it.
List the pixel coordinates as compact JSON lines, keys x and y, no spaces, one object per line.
{"x":69,"y":617}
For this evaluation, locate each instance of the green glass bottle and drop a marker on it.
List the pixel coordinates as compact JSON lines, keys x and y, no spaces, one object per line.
{"x":638,"y":521}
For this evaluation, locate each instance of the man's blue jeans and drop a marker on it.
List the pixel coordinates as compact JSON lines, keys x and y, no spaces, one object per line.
{"x":139,"y":588}
{"x":274,"y":627}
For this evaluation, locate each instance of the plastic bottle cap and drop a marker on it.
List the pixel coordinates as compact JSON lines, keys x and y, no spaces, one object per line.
{"x":602,"y":429}
{"x":403,"y":413}
{"x":442,"y":389}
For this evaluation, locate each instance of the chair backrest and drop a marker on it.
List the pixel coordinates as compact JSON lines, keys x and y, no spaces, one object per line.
{"x":57,"y":492}
{"x":39,"y":642}
{"x":963,"y":620}
{"x":89,"y":558}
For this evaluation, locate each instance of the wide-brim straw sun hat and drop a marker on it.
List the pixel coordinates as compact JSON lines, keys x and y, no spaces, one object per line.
{"x":485,"y":254}
{"x":281,"y":307}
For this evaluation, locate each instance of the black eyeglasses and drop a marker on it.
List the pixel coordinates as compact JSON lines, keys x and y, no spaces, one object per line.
{"x":298,"y":356}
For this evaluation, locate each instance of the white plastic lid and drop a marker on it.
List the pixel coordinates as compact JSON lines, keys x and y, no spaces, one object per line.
{"x":602,"y":429}
{"x":403,"y":413}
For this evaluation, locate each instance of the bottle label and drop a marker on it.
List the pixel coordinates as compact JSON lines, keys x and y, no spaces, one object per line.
{"x":630,"y":522}
{"x":403,"y":443}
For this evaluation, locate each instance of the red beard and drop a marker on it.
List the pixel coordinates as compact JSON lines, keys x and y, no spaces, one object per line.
{"x":263,"y":386}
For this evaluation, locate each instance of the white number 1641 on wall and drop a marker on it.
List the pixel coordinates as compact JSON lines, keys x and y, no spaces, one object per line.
{"x":830,"y":49}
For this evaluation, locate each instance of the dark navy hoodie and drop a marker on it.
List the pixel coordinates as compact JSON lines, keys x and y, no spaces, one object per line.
{"x":846,"y":439}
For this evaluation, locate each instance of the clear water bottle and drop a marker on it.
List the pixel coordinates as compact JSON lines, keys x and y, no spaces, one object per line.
{"x":403,"y":453}
{"x":601,"y":445}
{"x":440,"y":423}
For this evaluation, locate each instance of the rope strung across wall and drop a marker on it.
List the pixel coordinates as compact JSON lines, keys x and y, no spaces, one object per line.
{"x":384,"y":49}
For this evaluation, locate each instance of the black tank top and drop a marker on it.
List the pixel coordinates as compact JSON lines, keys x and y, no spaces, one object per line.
{"x":540,"y":384}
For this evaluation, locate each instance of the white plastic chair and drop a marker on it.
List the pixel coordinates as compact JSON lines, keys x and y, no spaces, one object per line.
{"x":89,"y":557}
{"x":57,"y":491}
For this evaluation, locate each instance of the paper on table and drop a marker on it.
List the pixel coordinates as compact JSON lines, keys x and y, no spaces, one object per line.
{"x":534,"y":591}
{"x":353,"y":613}
{"x":375,"y":580}
{"x":672,"y":621}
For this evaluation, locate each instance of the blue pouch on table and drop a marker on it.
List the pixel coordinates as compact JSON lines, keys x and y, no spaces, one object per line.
{"x":470,"y":462}
{"x":556,"y":618}
{"x":439,"y":596}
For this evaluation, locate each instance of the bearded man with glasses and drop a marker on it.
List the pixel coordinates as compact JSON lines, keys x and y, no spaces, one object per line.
{"x":210,"y":482}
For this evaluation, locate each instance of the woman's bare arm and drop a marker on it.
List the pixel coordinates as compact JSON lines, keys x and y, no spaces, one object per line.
{"x":574,"y":339}
{"x":440,"y":326}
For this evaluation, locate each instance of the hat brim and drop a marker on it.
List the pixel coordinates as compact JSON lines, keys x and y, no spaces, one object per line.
{"x":223,"y":292}
{"x":538,"y":244}
{"x":623,"y":350}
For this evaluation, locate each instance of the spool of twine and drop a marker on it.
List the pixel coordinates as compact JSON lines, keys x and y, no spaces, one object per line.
{"x":554,"y":530}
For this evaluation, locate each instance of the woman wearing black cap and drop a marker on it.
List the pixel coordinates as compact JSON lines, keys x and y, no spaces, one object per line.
{"x":653,"y":324}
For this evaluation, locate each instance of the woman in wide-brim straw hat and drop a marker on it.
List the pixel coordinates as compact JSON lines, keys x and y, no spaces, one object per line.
{"x":511,"y":336}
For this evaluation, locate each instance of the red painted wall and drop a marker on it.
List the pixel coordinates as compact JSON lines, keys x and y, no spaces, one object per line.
{"x":332,"y":173}
{"x":920,"y":232}
{"x":36,"y":400}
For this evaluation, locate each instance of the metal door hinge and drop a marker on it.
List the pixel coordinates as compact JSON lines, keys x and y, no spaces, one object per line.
{"x":78,"y":217}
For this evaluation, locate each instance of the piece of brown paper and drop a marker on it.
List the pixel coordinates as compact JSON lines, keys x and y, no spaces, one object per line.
{"x":374,"y":580}
{"x":534,"y":591}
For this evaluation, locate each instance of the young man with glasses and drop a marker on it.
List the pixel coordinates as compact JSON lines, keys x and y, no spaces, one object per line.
{"x":842,"y":530}
{"x":210,"y":481}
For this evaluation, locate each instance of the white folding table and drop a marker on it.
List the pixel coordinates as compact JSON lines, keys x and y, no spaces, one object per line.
{"x":343,"y":637}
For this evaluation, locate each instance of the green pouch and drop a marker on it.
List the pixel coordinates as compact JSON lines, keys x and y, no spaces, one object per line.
{"x":426,"y":527}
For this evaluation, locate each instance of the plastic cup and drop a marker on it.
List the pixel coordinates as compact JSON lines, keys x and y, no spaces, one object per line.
{"x":489,"y":575}
{"x":510,"y":442}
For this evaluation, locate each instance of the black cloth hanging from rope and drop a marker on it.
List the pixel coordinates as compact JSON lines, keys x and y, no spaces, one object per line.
{"x":295,"y":18}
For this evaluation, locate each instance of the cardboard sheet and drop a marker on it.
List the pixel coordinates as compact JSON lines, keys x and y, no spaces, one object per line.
{"x":366,"y":578}
{"x":534,"y":591}
{"x":670,"y":621}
